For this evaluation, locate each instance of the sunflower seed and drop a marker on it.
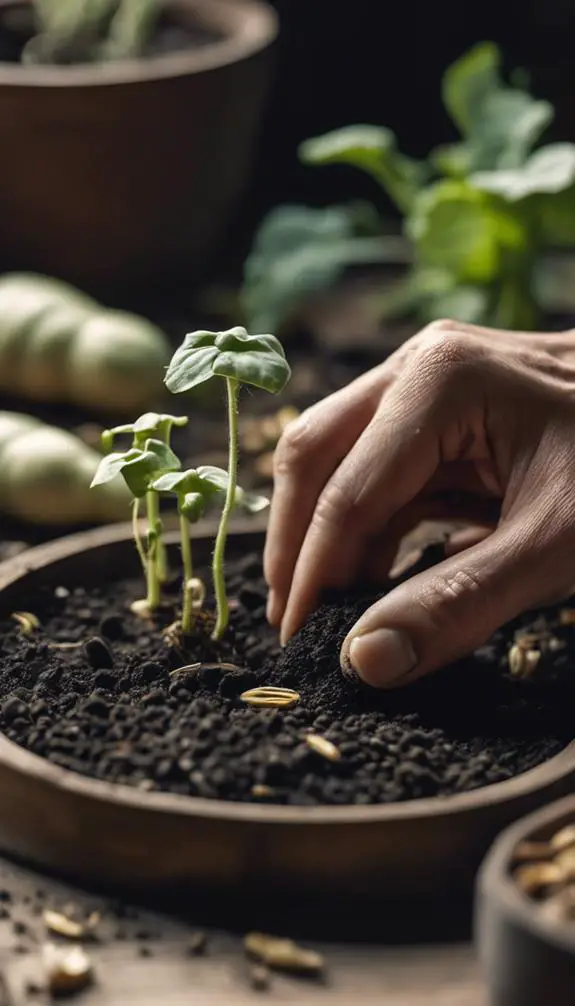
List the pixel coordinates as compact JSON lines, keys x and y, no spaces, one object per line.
{"x":68,"y":969}
{"x":27,"y":621}
{"x":529,"y":852}
{"x":522,"y":662}
{"x":535,"y":878}
{"x":283,"y":955}
{"x":194,"y":668}
{"x":323,"y":747}
{"x":272,"y":698}
{"x":563,"y":838}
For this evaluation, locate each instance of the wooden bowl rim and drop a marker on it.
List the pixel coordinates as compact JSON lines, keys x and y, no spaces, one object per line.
{"x":495,"y":877}
{"x":248,"y":27}
{"x":20,"y":760}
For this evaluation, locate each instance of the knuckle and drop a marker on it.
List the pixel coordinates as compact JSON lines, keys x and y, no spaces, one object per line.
{"x":446,"y":595}
{"x":446,"y":350}
{"x":295,"y":447}
{"x":336,"y":504}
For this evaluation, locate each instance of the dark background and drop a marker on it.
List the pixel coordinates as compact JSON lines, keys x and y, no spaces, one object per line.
{"x":381,"y":61}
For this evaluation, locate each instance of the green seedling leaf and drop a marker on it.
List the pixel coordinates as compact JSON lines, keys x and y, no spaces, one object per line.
{"x":150,"y":424}
{"x":251,"y":502}
{"x":549,"y":170}
{"x":112,"y":465}
{"x":138,"y":466}
{"x":192,"y":506}
{"x":468,"y":82}
{"x":374,"y":150}
{"x":299,"y":252}
{"x":511,"y":124}
{"x":258,"y":360}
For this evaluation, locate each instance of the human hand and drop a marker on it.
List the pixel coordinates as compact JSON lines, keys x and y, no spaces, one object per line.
{"x":487,"y":415}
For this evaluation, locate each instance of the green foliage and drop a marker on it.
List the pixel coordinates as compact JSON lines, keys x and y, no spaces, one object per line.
{"x":258,"y":360}
{"x":204,"y":483}
{"x":478,"y":214}
{"x":138,"y":466}
{"x":85,"y":31}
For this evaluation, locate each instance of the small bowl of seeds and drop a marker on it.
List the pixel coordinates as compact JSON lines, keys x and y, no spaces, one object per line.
{"x":525,"y":911}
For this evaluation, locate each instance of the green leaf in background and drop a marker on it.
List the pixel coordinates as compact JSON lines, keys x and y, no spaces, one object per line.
{"x":468,"y":81}
{"x":452,"y":159}
{"x":554,"y":215}
{"x":299,"y":252}
{"x":468,"y":304}
{"x":374,"y":150}
{"x":258,"y":360}
{"x":463,"y":231}
{"x":549,"y":170}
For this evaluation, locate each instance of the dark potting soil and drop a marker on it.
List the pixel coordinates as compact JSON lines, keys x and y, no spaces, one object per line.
{"x":109,"y":708}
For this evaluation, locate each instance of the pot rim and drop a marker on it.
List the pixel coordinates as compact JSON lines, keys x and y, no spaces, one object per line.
{"x":495,"y":879}
{"x":247,"y":27}
{"x":20,"y":760}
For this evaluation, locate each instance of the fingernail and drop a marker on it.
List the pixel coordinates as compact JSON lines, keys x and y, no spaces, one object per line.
{"x":380,"y":657}
{"x":272,"y":609}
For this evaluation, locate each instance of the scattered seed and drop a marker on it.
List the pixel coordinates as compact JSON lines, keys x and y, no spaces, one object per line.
{"x":260,"y":978}
{"x":323,"y":747}
{"x":282,"y":954}
{"x":196,"y":668}
{"x":63,"y":925}
{"x":192,"y":668}
{"x":261,"y":791}
{"x":68,"y":969}
{"x":27,"y":621}
{"x":535,"y":878}
{"x":567,"y":616}
{"x":273,"y":698}
{"x":563,"y":838}
{"x":522,"y":662}
{"x":529,"y":852}
{"x":197,"y":944}
{"x":65,"y":646}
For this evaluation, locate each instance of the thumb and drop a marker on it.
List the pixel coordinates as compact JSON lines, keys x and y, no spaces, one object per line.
{"x":447,"y":611}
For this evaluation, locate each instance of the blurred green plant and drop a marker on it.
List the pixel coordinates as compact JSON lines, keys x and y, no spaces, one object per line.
{"x":477,"y":214}
{"x":88,"y":31}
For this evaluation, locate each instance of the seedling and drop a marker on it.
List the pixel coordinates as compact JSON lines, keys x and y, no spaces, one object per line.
{"x":478,"y":215}
{"x":194,"y":489}
{"x":149,"y":425}
{"x":86,"y":31}
{"x":238,"y":358}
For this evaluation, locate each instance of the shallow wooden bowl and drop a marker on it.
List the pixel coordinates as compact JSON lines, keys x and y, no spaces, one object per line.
{"x":527,"y":959}
{"x":114,"y":834}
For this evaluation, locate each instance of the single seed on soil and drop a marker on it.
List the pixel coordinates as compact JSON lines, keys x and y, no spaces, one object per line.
{"x":68,"y":969}
{"x":260,"y":978}
{"x":282,"y":954}
{"x":27,"y":621}
{"x":529,"y":852}
{"x":567,"y":616}
{"x":522,"y":662}
{"x":563,"y":838}
{"x":192,"y":668}
{"x":195,"y":668}
{"x":261,"y":791}
{"x":65,"y":646}
{"x":267,"y":695}
{"x":323,"y":747}
{"x":534,"y":878}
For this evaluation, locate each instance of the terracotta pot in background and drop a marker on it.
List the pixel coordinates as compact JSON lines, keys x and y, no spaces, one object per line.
{"x":118,"y":174}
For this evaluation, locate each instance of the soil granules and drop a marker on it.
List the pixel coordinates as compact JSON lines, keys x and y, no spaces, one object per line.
{"x":109,"y":708}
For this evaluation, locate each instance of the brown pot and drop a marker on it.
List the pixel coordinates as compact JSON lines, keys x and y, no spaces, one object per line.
{"x":423,"y":850}
{"x":124,"y":172}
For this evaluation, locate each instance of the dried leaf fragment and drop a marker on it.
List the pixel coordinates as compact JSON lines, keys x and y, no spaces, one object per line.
{"x":270,"y":697}
{"x":283,"y":954}
{"x":68,"y":969}
{"x":27,"y":621}
{"x":323,"y":747}
{"x":535,"y":878}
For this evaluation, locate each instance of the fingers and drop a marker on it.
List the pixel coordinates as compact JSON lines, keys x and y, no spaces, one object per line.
{"x":440,"y":615}
{"x":465,"y":538}
{"x":306,"y":457}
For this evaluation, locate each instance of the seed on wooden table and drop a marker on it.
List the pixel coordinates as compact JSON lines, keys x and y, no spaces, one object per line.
{"x":535,"y":878}
{"x":68,"y":969}
{"x":567,"y":616}
{"x":260,"y":978}
{"x":270,"y":697}
{"x":563,"y":838}
{"x":522,"y":662}
{"x":283,"y":955}
{"x":529,"y":852}
{"x":27,"y":621}
{"x":323,"y":747}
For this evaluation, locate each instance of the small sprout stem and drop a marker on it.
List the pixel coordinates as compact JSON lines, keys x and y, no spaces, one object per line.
{"x":136,"y":533}
{"x":220,"y":546}
{"x":188,"y":605}
{"x":154,"y":532}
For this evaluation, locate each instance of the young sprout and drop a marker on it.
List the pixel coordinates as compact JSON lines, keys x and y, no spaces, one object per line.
{"x":159,"y":427}
{"x":239,"y":358}
{"x":139,"y":466}
{"x":194,"y":489}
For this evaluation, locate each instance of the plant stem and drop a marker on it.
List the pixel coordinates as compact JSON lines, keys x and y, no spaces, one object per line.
{"x":136,"y":533}
{"x":220,"y":546}
{"x":187,"y":610}
{"x":153,"y":580}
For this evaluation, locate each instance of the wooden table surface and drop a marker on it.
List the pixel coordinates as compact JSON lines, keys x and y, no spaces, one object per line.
{"x":145,"y":960}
